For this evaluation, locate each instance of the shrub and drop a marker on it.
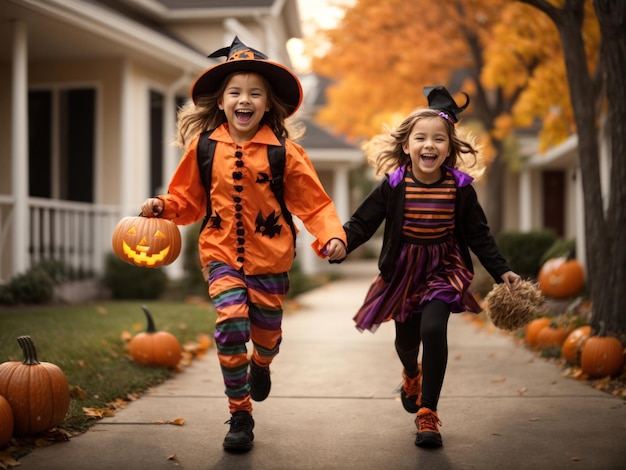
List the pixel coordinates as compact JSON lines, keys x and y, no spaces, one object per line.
{"x":58,"y":271}
{"x":558,"y":249}
{"x":523,"y":250}
{"x":133,"y":282}
{"x":35,"y":286}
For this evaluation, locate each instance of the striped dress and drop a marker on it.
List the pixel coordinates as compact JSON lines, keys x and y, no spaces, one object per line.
{"x":430,"y":265}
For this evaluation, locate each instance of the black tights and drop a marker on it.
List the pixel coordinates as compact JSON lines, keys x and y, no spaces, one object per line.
{"x":430,"y":328}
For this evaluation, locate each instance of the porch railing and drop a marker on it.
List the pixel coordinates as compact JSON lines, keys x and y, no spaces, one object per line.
{"x":74,"y":233}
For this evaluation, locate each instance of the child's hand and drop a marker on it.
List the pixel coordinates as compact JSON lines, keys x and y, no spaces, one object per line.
{"x":335,"y":249}
{"x":152,"y":207}
{"x":510,"y":279}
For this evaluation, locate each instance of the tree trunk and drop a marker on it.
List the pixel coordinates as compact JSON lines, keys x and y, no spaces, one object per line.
{"x":612,"y":17}
{"x":605,"y":245}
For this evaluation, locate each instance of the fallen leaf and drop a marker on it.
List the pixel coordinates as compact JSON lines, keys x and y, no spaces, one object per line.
{"x":498,"y":381}
{"x":172,"y":457}
{"x":533,"y":419}
{"x":6,"y":461}
{"x":178,"y":421}
{"x":522,"y":391}
{"x":78,"y":393}
{"x":577,"y":459}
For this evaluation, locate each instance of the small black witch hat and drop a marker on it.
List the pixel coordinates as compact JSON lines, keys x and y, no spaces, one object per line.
{"x":439,"y":98}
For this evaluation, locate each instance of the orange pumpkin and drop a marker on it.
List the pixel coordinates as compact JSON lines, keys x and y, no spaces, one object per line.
{"x":573,"y":345}
{"x":551,"y":336}
{"x":38,"y":392}
{"x":6,"y":421}
{"x":561,"y":278}
{"x":150,"y":242}
{"x":602,"y":355}
{"x":155,"y":348}
{"x":533,"y":329}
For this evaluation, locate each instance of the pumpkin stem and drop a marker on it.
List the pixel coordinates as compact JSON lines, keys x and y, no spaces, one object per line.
{"x":29,"y":350}
{"x":151,"y":326}
{"x":602,"y":328}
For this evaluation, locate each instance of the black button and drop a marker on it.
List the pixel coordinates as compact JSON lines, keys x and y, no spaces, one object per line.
{"x":238,"y":216}
{"x":237,"y":199}
{"x":238,"y":207}
{"x":238,"y":188}
{"x":238,"y":154}
{"x":241,"y":232}
{"x":239,"y":224}
{"x":237,"y":175}
{"x":241,"y":249}
{"x":240,"y":259}
{"x":239,"y":163}
{"x":241,"y":241}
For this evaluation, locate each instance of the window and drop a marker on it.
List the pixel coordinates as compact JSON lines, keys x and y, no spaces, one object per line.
{"x":62,"y":144}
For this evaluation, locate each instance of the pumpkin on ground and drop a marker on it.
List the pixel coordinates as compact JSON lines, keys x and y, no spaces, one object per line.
{"x":150,"y":242}
{"x":38,"y":392}
{"x":533,"y":329}
{"x":551,"y":336}
{"x":602,"y":355}
{"x":6,"y":421}
{"x":561,"y":278}
{"x":155,"y":348}
{"x":573,"y":345}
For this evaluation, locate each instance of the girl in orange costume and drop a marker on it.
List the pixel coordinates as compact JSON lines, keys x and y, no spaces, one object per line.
{"x":246,"y":249}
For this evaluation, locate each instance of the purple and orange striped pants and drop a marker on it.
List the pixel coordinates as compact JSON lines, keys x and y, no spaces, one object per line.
{"x":248,"y":308}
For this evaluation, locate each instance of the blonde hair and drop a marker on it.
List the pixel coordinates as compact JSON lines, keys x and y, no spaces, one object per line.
{"x":204,"y":114}
{"x":385,"y":153}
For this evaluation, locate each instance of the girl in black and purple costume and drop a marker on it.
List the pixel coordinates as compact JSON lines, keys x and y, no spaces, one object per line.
{"x":432,"y":219}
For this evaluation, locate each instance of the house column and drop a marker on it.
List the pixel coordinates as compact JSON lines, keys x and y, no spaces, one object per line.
{"x":525,"y":200}
{"x":581,"y":242}
{"x":341,"y":193}
{"x":19,"y":152}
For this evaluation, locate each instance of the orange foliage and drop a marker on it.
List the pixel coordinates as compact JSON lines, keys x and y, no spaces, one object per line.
{"x":381,"y":54}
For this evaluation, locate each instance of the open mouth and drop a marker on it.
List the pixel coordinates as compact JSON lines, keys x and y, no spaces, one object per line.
{"x":428,"y":158}
{"x":244,"y":115}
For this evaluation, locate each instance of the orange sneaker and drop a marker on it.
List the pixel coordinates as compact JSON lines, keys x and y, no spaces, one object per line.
{"x":411,"y":393}
{"x":427,"y":430}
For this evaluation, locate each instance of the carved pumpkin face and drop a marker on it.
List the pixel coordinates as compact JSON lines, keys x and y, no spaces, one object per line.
{"x":146,"y":241}
{"x":561,"y":278}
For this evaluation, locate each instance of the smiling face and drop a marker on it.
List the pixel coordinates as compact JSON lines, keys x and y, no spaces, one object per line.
{"x":428,"y":145}
{"x":244,"y":102}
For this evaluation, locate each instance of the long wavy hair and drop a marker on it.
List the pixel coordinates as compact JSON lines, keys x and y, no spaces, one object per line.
{"x":205,"y":114}
{"x":385,"y":153}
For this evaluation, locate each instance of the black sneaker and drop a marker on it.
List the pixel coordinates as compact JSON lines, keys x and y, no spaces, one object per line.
{"x":240,"y":436}
{"x":260,"y":382}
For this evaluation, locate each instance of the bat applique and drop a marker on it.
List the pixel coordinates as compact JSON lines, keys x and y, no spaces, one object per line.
{"x":263,"y":178}
{"x":267,"y":227}
{"x":215,"y":221}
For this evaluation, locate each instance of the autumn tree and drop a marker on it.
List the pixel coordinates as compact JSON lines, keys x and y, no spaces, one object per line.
{"x":383,"y":53}
{"x":605,"y":221}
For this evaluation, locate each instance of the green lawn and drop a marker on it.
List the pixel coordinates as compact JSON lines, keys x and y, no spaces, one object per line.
{"x":87,"y":343}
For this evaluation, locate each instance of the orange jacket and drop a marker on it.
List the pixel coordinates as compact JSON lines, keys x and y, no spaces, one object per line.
{"x":266,"y":248}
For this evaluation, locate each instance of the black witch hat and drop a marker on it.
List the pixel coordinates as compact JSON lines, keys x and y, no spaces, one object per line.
{"x":241,"y":58}
{"x":439,"y":98}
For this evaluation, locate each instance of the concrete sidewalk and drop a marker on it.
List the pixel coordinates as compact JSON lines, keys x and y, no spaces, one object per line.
{"x":332,"y":407}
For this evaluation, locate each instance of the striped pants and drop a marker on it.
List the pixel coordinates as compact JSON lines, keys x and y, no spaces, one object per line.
{"x":248,"y":308}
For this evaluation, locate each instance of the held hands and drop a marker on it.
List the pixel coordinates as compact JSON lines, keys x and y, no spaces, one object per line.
{"x":511,"y":279}
{"x":335,"y":249}
{"x":152,"y":207}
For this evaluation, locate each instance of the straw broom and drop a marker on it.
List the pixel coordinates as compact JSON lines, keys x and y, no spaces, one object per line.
{"x":513,"y":309}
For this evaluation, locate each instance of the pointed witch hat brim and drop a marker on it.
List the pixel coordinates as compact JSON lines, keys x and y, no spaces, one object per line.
{"x":241,"y":58}
{"x":439,"y":98}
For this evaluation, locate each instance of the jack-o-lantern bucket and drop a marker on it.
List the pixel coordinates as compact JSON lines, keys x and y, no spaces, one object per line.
{"x":146,"y":241}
